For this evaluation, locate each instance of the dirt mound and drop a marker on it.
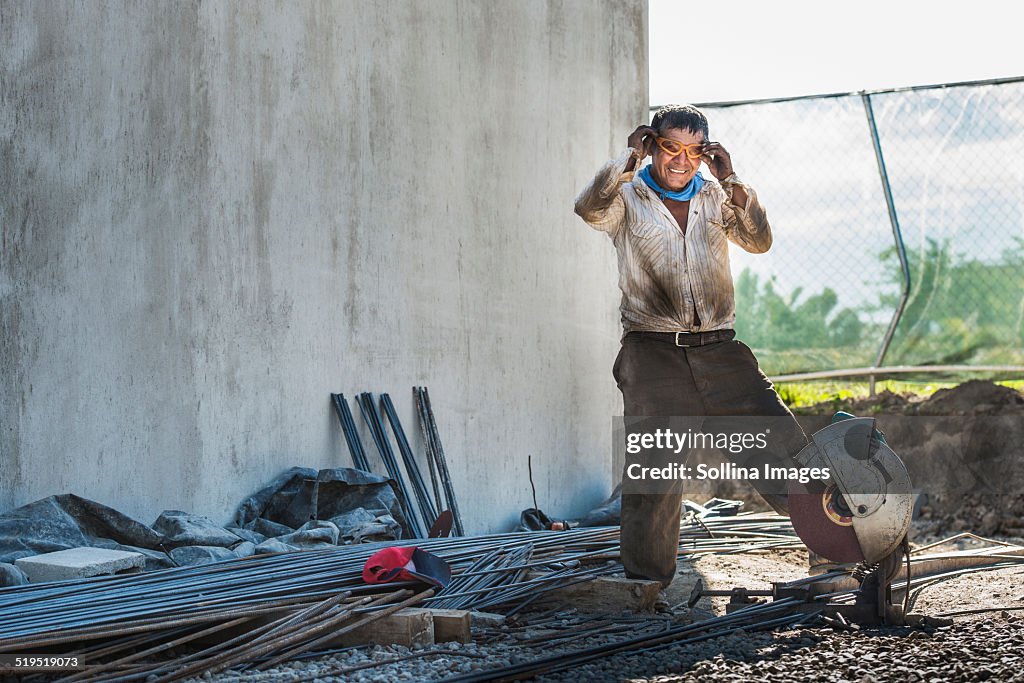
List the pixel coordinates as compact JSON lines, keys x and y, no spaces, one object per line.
{"x":968,"y":467}
{"x":976,"y":397}
{"x":943,"y":515}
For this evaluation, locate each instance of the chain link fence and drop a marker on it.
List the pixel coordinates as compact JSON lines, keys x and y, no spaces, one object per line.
{"x":824,"y":297}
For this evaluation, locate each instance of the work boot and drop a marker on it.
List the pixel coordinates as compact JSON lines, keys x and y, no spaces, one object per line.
{"x":662,"y":605}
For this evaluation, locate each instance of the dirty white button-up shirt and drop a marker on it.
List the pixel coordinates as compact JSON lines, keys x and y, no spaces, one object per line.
{"x":667,"y":276}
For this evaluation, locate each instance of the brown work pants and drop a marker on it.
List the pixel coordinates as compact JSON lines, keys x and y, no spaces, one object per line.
{"x":657,"y":378}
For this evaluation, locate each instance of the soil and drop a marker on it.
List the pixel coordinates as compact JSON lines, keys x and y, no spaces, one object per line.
{"x":976,"y":397}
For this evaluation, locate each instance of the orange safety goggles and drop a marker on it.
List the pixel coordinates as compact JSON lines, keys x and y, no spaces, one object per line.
{"x":674,"y":148}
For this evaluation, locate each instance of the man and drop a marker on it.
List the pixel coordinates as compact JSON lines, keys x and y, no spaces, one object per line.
{"x":670,"y":227}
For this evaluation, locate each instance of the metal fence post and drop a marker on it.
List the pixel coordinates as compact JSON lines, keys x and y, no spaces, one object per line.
{"x":897,"y":237}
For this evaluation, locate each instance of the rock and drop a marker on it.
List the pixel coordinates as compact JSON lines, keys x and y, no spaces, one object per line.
{"x":353,"y":518}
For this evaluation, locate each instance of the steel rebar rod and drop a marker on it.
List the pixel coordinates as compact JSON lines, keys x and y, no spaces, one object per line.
{"x":373,"y":616}
{"x":93,"y":609}
{"x":428,"y":448}
{"x":409,"y":458}
{"x":442,"y":462}
{"x":373,"y":421}
{"x":283,"y":627}
{"x":747,"y":616}
{"x":355,"y":447}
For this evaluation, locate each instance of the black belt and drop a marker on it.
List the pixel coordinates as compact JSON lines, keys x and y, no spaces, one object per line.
{"x":687,"y":339}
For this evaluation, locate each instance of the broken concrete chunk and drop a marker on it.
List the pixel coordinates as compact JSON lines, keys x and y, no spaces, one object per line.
{"x":184,"y":528}
{"x":10,"y":575}
{"x":486,"y":619}
{"x":607,"y":594}
{"x":188,"y":555}
{"x":409,"y":627}
{"x":353,"y":518}
{"x":78,"y":563}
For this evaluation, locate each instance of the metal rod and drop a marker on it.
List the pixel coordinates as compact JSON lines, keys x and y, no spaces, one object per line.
{"x":896,"y":234}
{"x":355,"y":447}
{"x":754,"y":616}
{"x":427,"y":509}
{"x":391,"y":609}
{"x":883,"y":91}
{"x":428,"y":447}
{"x":442,"y":464}
{"x":372,"y":418}
{"x":79,"y":611}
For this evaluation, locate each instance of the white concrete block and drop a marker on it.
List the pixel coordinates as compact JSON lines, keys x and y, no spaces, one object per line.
{"x":78,"y":563}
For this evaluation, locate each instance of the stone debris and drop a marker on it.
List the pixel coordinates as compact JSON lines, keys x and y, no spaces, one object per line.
{"x":79,"y":563}
{"x":988,"y":649}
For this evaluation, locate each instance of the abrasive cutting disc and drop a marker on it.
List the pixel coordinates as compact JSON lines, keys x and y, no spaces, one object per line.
{"x":822,"y":521}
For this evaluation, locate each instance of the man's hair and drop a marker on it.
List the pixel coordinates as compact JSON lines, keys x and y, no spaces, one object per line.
{"x":685,"y":116}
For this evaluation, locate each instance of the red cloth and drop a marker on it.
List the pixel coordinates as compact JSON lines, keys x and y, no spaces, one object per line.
{"x":406,"y":564}
{"x":390,"y":564}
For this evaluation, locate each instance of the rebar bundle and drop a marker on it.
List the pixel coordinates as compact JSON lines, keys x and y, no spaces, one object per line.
{"x":348,"y":428}
{"x":435,"y":454}
{"x":380,"y":438}
{"x":437,"y":464}
{"x":107,"y":616}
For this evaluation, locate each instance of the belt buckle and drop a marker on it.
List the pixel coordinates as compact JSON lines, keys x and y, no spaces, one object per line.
{"x":683,"y":346}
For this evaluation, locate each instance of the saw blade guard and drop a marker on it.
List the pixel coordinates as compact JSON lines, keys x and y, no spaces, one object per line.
{"x":868,"y":483}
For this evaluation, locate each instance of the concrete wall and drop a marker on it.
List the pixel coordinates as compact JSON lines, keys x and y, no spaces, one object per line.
{"x":215,"y":214}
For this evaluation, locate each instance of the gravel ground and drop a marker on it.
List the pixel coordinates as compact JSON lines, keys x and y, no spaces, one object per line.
{"x":534,"y":637}
{"x":972,"y":649}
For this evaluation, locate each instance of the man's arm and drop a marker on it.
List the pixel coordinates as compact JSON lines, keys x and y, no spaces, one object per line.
{"x":745,"y":221}
{"x":600,"y":204}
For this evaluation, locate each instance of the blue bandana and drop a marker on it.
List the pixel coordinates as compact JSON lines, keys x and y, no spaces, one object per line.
{"x":683,"y":195}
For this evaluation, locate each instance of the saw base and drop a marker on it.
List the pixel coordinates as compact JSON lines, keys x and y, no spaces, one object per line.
{"x":872,"y":607}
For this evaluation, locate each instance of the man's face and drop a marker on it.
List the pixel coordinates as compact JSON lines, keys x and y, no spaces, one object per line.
{"x":674,"y":172}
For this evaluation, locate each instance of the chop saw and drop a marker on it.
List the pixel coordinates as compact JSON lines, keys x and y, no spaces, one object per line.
{"x":858,"y":517}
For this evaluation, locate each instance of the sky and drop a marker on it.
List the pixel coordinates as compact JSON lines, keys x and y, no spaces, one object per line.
{"x":749,"y":49}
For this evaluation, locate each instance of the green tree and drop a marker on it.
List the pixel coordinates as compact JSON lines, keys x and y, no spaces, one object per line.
{"x":770,"y":320}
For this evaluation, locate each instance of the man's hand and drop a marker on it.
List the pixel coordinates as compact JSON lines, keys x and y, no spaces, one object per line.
{"x":720,"y":163}
{"x":641,"y":140}
{"x":718,"y":160}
